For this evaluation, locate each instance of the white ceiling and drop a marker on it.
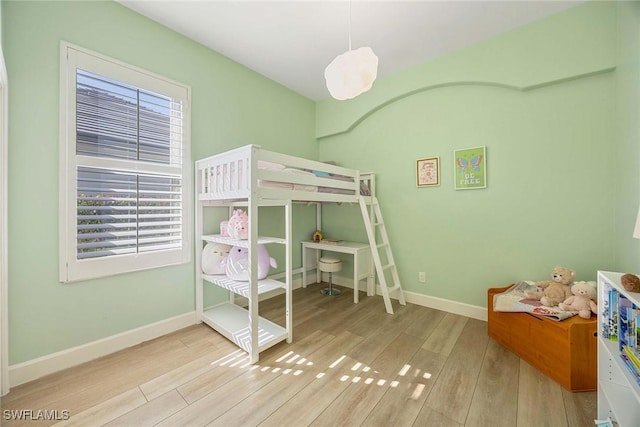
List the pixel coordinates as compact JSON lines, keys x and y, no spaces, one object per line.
{"x":292,"y":42}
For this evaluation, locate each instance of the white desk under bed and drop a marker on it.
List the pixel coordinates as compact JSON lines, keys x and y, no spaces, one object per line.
{"x":362,"y":266}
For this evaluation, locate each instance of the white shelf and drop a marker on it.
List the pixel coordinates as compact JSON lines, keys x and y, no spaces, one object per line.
{"x":621,"y":375}
{"x":614,"y":280}
{"x":243,"y":288}
{"x":619,"y":396}
{"x":618,"y":391}
{"x":216,"y":238}
{"x":232,"y":322}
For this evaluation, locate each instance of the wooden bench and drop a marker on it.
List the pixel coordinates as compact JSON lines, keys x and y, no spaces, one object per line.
{"x":566,"y":351}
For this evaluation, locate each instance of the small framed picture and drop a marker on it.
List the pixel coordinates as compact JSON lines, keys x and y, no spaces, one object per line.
{"x":470,"y":166}
{"x":428,"y":172}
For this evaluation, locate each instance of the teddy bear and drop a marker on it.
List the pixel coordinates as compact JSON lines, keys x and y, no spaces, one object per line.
{"x":630,"y":282}
{"x":553,"y":292}
{"x":581,"y":300}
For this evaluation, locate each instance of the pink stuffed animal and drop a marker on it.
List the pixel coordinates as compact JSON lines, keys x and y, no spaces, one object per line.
{"x":581,"y":300}
{"x":238,"y":225}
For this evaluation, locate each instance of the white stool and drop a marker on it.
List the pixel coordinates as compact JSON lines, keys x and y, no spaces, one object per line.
{"x":330,"y":265}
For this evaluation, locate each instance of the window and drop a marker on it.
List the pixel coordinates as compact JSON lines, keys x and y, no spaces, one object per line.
{"x":124,"y":175}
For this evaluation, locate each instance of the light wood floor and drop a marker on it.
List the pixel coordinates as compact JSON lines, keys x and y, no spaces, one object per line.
{"x":349,"y":365}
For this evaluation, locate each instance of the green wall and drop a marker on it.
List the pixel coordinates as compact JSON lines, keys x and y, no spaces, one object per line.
{"x":231,"y":106}
{"x":542,"y":99}
{"x":554,"y":102}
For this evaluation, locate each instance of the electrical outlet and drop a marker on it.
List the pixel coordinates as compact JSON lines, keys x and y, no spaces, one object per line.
{"x":422,"y":277}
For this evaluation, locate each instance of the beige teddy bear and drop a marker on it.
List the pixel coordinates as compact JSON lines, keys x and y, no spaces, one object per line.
{"x":553,"y":292}
{"x":581,"y":300}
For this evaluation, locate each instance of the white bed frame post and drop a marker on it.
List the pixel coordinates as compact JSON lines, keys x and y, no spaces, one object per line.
{"x":199,"y":229}
{"x":318,"y":216}
{"x":252,"y":211}
{"x":289,"y":269}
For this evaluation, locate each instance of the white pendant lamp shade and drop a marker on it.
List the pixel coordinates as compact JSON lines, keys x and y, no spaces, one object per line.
{"x":351,"y":73}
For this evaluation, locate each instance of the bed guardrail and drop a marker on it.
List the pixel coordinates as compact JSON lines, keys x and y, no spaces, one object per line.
{"x":233,"y":174}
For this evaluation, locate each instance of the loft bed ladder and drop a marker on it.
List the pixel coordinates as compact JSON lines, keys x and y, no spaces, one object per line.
{"x":374,"y":224}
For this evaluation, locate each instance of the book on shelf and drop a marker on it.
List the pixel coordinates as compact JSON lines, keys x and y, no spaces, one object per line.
{"x":631,"y":367}
{"x":633,"y":357}
{"x":636,"y":350}
{"x":604,"y":313}
{"x":613,"y":314}
{"x":626,"y":323}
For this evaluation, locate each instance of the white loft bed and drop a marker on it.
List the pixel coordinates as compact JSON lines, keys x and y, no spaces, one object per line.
{"x":252,"y":177}
{"x":266,"y":175}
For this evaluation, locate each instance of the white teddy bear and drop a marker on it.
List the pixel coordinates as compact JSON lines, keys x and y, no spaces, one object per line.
{"x":581,"y":300}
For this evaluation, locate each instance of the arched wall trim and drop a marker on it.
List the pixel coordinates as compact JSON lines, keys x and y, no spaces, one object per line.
{"x":379,"y":106}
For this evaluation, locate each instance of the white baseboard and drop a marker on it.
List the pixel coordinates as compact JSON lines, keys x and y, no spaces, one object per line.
{"x":33,"y":369}
{"x":467,"y":310}
{"x":455,"y":307}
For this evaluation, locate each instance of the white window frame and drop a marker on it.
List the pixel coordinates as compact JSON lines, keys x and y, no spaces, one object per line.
{"x":71,"y":269}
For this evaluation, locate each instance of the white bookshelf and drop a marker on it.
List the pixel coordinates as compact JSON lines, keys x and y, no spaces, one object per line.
{"x":618,"y":391}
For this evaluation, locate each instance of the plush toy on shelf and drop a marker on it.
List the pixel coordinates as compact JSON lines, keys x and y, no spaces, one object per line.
{"x":582,"y":300}
{"x":630,"y":282}
{"x":214,"y":258}
{"x":553,"y":292}
{"x":237,"y":267}
{"x":238,"y":225}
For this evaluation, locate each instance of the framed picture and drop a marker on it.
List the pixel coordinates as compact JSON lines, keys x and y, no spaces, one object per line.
{"x":428,"y":172}
{"x":470,"y":166}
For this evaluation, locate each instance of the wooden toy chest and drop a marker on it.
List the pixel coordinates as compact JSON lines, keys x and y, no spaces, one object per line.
{"x":566,"y":351}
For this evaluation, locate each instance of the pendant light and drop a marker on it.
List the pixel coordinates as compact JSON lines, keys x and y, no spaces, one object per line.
{"x":353,"y":72}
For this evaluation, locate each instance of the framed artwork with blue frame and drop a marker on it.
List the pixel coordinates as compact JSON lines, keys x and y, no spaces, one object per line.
{"x":470,"y":168}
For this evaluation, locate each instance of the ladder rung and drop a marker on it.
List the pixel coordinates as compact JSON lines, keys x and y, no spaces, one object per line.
{"x":373,"y":218}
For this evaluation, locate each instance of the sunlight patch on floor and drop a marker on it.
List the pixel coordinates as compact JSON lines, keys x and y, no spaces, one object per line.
{"x":240,"y":359}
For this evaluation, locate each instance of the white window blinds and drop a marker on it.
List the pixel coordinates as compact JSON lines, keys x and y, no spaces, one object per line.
{"x":126,"y":145}
{"x":124,"y":213}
